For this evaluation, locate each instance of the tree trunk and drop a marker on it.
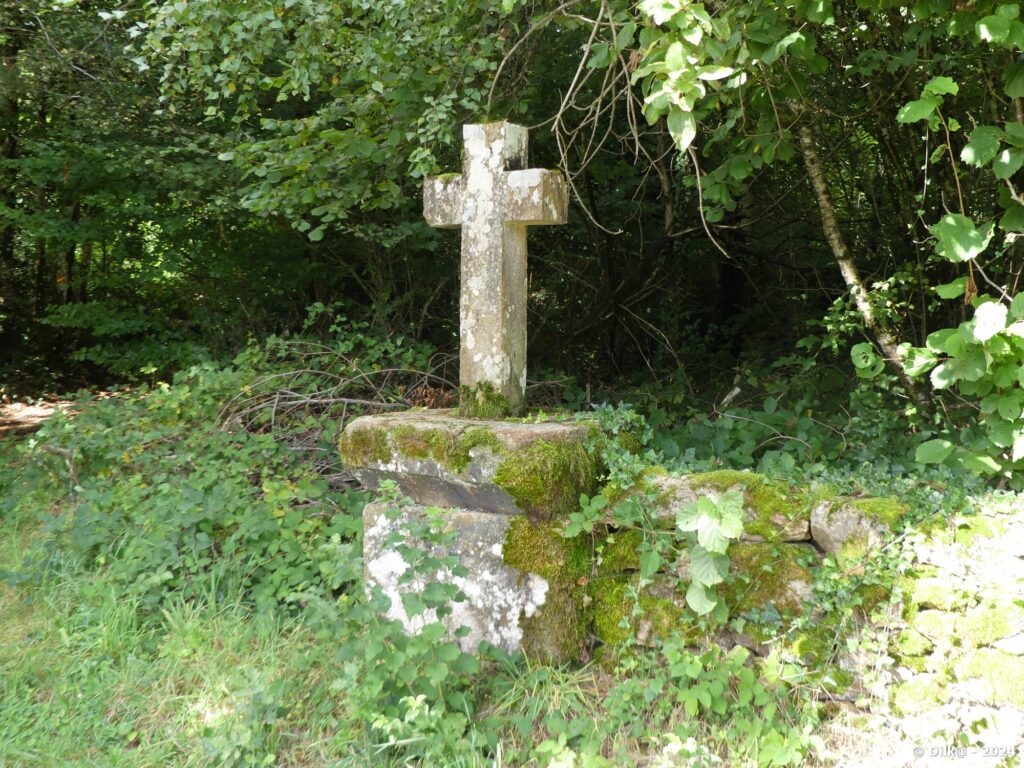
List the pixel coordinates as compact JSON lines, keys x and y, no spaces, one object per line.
{"x":8,"y":151}
{"x":834,"y":235}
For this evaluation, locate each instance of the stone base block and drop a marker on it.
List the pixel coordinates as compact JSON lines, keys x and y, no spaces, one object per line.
{"x":506,"y":467}
{"x":507,"y":606}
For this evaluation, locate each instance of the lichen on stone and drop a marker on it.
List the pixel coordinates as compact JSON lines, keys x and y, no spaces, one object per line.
{"x":361,"y":447}
{"x":547,"y":477}
{"x":483,"y":401}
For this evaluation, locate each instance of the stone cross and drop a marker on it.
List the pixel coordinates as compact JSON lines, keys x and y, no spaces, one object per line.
{"x":494,"y":200}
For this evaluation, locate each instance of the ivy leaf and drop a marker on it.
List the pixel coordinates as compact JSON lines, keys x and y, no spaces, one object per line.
{"x":989,"y":319}
{"x":700,"y":599}
{"x":983,"y":146}
{"x":957,"y":239}
{"x":933,"y":451}
{"x":920,"y":109}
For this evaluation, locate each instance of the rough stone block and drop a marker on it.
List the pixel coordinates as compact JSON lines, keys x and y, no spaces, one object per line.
{"x":435,"y":458}
{"x":522,"y":588}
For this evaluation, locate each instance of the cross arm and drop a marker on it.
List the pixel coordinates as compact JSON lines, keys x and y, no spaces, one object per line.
{"x":537,"y":196}
{"x":442,"y":200}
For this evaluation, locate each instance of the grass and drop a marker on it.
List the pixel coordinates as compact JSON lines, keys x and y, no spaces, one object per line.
{"x":87,"y":679}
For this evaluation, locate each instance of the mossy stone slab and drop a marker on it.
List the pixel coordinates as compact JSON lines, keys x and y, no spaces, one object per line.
{"x":522,"y":587}
{"x":850,"y":528}
{"x":507,"y":467}
{"x":774,"y":511}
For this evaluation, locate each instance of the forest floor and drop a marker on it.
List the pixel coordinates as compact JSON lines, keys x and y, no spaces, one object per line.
{"x":20,"y":418}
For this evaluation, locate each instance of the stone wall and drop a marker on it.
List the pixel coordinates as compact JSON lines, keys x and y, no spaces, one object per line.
{"x":506,"y":489}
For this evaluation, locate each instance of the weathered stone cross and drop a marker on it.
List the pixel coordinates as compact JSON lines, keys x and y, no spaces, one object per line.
{"x":494,"y":200}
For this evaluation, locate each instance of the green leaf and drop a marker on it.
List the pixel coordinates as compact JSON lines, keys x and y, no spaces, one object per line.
{"x":937,"y":340}
{"x":1013,"y":219}
{"x":600,"y":56}
{"x":939,"y":86}
{"x":650,"y":562}
{"x":993,"y":29}
{"x":1013,"y":80}
{"x":1007,"y":163}
{"x":715,"y":73}
{"x":708,"y":568}
{"x":920,"y":109}
{"x":683,"y":128}
{"x":1017,"y":306}
{"x":1009,"y":406}
{"x":983,"y":146}
{"x":933,"y":451}
{"x":675,"y":58}
{"x":981,"y":463}
{"x":957,"y":239}
{"x":917,"y":360}
{"x":952,"y":290}
{"x":700,"y":599}
{"x":989,"y":319}
{"x":863,"y":355}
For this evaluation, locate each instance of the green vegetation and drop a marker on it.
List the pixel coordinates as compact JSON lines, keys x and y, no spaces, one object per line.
{"x":792,"y":247}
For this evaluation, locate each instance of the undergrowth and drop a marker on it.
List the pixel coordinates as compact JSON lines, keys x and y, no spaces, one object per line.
{"x":183,"y":586}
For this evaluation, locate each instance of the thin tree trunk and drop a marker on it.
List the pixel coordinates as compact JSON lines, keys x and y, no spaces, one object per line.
{"x":834,"y":235}
{"x":8,"y":151}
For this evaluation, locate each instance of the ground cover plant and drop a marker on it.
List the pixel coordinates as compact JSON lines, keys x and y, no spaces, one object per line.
{"x":204,"y":600}
{"x":790,"y":276}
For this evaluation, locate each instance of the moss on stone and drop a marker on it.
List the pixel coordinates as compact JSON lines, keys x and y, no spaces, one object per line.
{"x":854,"y":549}
{"x":547,"y":477}
{"x":938,"y":626}
{"x":873,"y":595}
{"x":620,"y":613}
{"x":556,"y":632}
{"x":938,"y":593}
{"x":970,"y":529}
{"x":989,"y":622}
{"x":620,"y":553}
{"x":412,"y":443}
{"x":910,"y":643}
{"x":762,"y":575}
{"x":885,"y":510}
{"x":449,"y":450}
{"x":629,"y":443}
{"x":996,"y":675}
{"x":816,"y":644}
{"x":769,"y":503}
{"x":483,"y":401}
{"x":919,"y":694}
{"x":362,"y":447}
